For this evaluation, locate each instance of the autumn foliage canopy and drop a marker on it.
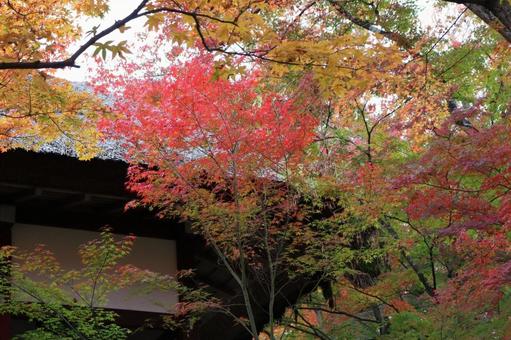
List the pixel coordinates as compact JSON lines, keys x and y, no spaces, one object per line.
{"x":358,"y":146}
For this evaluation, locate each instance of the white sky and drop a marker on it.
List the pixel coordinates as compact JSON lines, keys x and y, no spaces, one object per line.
{"x":121,"y":8}
{"x":118,"y":10}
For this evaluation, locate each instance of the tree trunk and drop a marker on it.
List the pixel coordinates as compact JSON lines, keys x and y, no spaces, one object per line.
{"x":495,"y":13}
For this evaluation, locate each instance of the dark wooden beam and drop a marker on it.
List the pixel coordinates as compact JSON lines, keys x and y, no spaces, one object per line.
{"x":75,"y":201}
{"x":34,"y":194}
{"x":97,"y":176}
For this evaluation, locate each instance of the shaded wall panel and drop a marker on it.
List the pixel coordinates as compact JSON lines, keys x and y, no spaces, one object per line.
{"x":158,"y":255}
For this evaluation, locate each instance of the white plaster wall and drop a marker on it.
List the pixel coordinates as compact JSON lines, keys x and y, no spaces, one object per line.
{"x":154,"y":254}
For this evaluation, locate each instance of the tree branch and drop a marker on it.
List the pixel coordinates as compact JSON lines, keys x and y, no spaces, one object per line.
{"x":398,"y":38}
{"x":71,"y":61}
{"x":339,"y":312}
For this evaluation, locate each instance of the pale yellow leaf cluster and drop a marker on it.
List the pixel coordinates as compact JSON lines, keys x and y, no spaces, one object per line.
{"x":36,"y":108}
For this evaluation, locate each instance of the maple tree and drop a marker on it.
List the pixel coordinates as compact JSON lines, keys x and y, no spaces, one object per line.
{"x":210,"y":143}
{"x":70,"y":303}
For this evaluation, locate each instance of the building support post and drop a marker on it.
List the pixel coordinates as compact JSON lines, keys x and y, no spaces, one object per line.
{"x":7,"y":220}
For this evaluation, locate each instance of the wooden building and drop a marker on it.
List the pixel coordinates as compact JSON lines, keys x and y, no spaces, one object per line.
{"x":60,"y":201}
